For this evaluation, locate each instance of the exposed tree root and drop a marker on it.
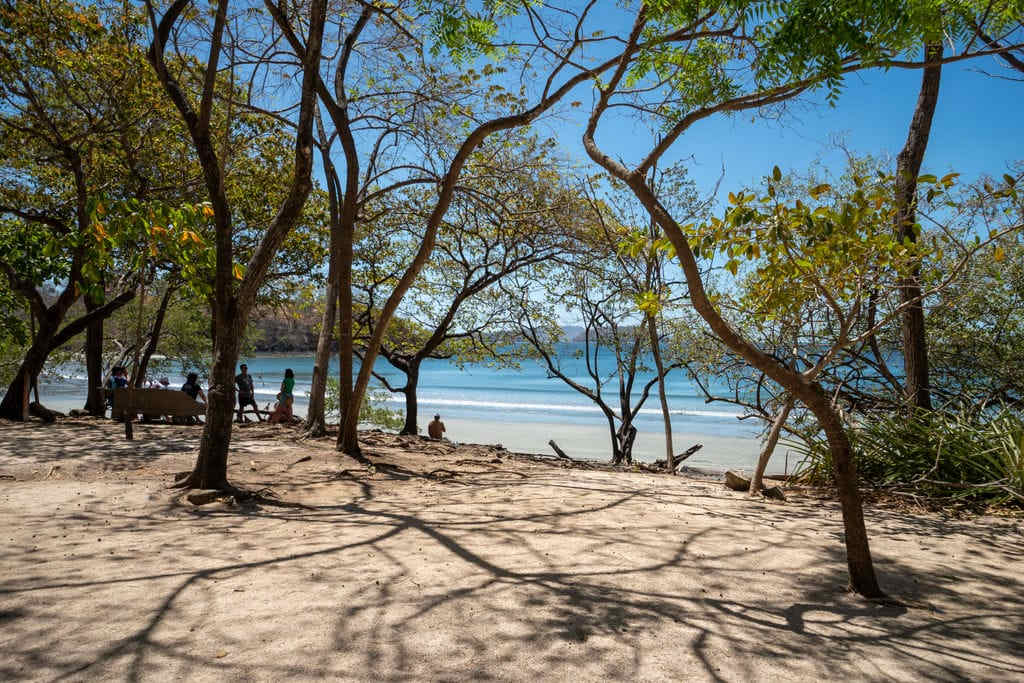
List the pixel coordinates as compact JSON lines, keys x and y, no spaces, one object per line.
{"x":192,"y":480}
{"x":234,"y":495}
{"x":317,"y":430}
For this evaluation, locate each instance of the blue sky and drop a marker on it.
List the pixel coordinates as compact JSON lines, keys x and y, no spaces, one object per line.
{"x":977,"y":128}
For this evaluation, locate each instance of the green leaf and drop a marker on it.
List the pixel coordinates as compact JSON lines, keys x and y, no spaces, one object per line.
{"x":819,"y":190}
{"x":776,"y":174}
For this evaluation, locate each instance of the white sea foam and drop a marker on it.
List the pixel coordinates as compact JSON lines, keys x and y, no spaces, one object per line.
{"x":548,"y":407}
{"x":506,"y":406}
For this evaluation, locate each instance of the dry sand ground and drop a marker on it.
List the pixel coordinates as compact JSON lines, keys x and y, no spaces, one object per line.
{"x":466,"y":564}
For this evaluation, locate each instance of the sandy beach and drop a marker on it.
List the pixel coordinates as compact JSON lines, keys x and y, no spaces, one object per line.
{"x":584,"y":440}
{"x":467,"y":563}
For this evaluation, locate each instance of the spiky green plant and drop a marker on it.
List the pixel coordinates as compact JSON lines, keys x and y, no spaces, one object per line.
{"x":935,"y":453}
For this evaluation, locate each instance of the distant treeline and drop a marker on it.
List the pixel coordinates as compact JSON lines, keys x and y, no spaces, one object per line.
{"x":275,"y":334}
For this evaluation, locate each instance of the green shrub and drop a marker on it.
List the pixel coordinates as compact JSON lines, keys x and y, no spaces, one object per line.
{"x":374,"y":410}
{"x":935,"y":453}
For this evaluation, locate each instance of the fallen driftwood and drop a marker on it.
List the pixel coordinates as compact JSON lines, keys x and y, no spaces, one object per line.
{"x":678,"y":460}
{"x":736,"y":482}
{"x":558,"y":451}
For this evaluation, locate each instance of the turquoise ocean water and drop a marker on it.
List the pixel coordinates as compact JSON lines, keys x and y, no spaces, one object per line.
{"x":521,"y":408}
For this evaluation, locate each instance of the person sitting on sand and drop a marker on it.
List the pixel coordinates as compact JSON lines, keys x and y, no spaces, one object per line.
{"x":246,"y":393}
{"x":283,"y":409}
{"x":436,"y":428}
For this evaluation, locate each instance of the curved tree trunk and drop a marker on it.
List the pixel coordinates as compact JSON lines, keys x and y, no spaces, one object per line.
{"x":15,"y":402}
{"x":757,"y":481}
{"x":858,"y":552}
{"x":47,"y":339}
{"x":95,"y":403}
{"x":232,"y":303}
{"x":154,"y":337}
{"x":908,"y":166}
{"x":862,"y":573}
{"x":412,"y":381}
{"x":14,"y":405}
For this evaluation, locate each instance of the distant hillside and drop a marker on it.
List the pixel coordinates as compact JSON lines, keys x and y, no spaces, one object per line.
{"x":272,"y":331}
{"x":277,"y":332}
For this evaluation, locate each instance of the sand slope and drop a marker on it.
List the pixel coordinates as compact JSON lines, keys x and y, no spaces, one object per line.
{"x":466,"y":564}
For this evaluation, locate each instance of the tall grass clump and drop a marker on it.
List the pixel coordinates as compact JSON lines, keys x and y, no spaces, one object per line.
{"x":933,"y":453}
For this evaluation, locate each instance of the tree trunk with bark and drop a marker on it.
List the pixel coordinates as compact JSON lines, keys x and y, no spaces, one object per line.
{"x":316,"y":422}
{"x":625,"y":435}
{"x":232,"y":301}
{"x":412,"y":381}
{"x":908,"y":166}
{"x":858,"y":552}
{"x":757,"y":482}
{"x":154,"y":337}
{"x":662,"y":396}
{"x":211,"y":468}
{"x":14,"y":405}
{"x":862,"y":573}
{"x":95,"y":403}
{"x":861,"y":569}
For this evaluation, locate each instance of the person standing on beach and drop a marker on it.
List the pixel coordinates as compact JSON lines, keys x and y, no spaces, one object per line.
{"x":436,"y":428}
{"x":246,"y":393}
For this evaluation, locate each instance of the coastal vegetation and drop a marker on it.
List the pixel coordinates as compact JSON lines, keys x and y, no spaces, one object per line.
{"x":178,"y":175}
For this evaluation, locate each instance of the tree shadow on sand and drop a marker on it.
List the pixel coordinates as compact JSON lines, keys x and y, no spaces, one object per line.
{"x":577,"y":572}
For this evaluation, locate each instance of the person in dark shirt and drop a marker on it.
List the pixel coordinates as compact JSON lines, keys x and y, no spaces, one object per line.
{"x":192,"y":388}
{"x":118,"y":380}
{"x":195,"y":392}
{"x":246,"y":393}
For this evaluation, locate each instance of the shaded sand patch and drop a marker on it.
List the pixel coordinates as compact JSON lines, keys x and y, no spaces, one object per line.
{"x":466,"y":563}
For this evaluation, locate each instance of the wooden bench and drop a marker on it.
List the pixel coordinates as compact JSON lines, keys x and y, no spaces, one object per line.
{"x":129,"y":403}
